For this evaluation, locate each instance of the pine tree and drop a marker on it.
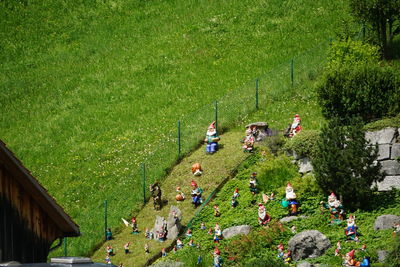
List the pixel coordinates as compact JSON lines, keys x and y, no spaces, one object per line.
{"x":345,"y":163}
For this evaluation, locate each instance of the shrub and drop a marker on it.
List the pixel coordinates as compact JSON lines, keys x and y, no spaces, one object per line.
{"x":303,"y":144}
{"x":366,"y":90}
{"x":344,"y":163}
{"x":393,"y":258}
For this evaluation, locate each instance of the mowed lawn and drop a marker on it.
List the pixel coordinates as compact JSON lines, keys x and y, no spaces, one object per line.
{"x":91,"y":89}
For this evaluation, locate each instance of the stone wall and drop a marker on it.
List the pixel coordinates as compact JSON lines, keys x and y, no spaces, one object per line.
{"x":388,"y":141}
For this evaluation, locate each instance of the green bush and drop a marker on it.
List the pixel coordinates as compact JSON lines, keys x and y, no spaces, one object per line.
{"x":303,"y":143}
{"x":393,"y":258}
{"x":344,"y":163}
{"x":365,"y":90}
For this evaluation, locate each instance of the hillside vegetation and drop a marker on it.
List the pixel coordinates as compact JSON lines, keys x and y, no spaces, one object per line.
{"x":90,"y":89}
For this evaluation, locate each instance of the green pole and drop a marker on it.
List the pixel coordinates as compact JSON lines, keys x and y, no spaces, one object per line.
{"x":65,"y":247}
{"x":179,"y":138}
{"x":216,"y":116}
{"x":105,"y":218}
{"x":292,"y":71}
{"x":144,"y":182}
{"x":257,"y":94}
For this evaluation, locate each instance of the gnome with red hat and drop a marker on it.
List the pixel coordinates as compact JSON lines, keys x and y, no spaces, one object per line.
{"x":335,"y":208}
{"x":263,"y":216}
{"x":217,"y":258}
{"x":295,"y":128}
{"x":291,"y":200}
{"x":349,"y":259}
{"x":351,"y":229}
{"x":212,"y":139}
{"x":196,"y":194}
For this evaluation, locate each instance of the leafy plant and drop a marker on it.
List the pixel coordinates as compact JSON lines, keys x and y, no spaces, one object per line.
{"x":303,"y":144}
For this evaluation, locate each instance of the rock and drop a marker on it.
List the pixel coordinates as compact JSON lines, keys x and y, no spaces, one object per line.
{"x":386,"y":221}
{"x":168,"y":264}
{"x":159,"y":223}
{"x":296,"y":156}
{"x":384,"y":136}
{"x":388,"y":183}
{"x":382,"y":255}
{"x":304,"y":264}
{"x":305,"y":165}
{"x":236,"y":230}
{"x":174,"y":223}
{"x":291,"y":218}
{"x":395,"y":154}
{"x":308,"y":244}
{"x":391,"y":167}
{"x":383,"y":152}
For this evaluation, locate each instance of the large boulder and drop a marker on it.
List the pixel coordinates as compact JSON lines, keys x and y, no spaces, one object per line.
{"x":308,"y":244}
{"x":159,"y":223}
{"x":384,"y":136}
{"x":291,"y":218}
{"x":174,"y":222}
{"x":391,"y":167}
{"x":386,"y":221}
{"x":388,"y":183}
{"x":236,"y":230}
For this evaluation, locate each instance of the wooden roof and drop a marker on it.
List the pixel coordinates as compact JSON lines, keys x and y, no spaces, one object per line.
{"x":22,"y":175}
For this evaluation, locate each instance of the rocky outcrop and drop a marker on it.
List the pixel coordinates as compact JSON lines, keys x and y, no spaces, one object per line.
{"x":291,"y":218}
{"x":168,"y":264}
{"x":174,"y":222}
{"x":236,"y":230}
{"x":308,"y":244}
{"x":386,"y":221}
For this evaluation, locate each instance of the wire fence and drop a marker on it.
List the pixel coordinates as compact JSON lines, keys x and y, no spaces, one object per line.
{"x":187,"y":134}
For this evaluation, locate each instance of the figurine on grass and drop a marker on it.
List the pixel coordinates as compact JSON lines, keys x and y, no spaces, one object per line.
{"x":109,"y":234}
{"x":110,"y":250}
{"x":351,"y":229}
{"x":217,"y":233}
{"x":217,"y":213}
{"x":196,"y":169}
{"x":338,"y":248}
{"x":349,"y":259}
{"x":263,"y":216}
{"x":235,"y":196}
{"x":191,"y":243}
{"x":196,"y":194}
{"x":148,"y":234}
{"x":108,"y":260}
{"x":146,"y":248}
{"x":126,"y":247}
{"x":179,"y":243}
{"x":135,"y":229}
{"x":212,"y":139}
{"x":217,"y":258}
{"x":253,"y":183}
{"x":248,"y":143}
{"x":281,"y":250}
{"x":163,"y":252}
{"x":203,"y":226}
{"x":290,"y":202}
{"x":335,"y":208}
{"x":293,"y":128}
{"x":180,"y":195}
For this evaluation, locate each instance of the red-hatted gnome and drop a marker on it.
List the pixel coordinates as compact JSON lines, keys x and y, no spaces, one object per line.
{"x":349,"y":259}
{"x":196,"y":169}
{"x":217,"y":258}
{"x":263,"y":216}
{"x":248,"y":144}
{"x":335,"y":208}
{"x":295,"y":128}
{"x":212,"y":139}
{"x":291,"y":199}
{"x":196,"y":194}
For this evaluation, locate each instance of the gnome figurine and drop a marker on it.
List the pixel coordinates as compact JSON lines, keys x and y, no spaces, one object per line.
{"x":212,"y":139}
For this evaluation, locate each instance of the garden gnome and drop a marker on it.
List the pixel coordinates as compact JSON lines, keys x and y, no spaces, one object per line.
{"x":351,"y":229}
{"x":196,"y":194}
{"x":291,"y":198}
{"x":108,"y":260}
{"x":155,"y":191}
{"x":110,"y":250}
{"x":335,"y":208}
{"x":235,"y":196}
{"x":179,"y":244}
{"x":189,"y":233}
{"x":135,"y":229}
{"x":217,"y":233}
{"x":217,"y":258}
{"x":212,"y":139}
{"x":108,"y":234}
{"x":217,"y":213}
{"x":146,"y":248}
{"x":203,"y":226}
{"x":191,"y":243}
{"x":263,"y":216}
{"x":349,"y":259}
{"x":253,"y":183}
{"x":196,"y":169}
{"x":295,"y":128}
{"x":180,"y":196}
{"x":338,"y":248}
{"x":287,"y":257}
{"x":163,"y":252}
{"x":148,"y":234}
{"x":281,"y":250}
{"x":248,"y":144}
{"x":126,"y":247}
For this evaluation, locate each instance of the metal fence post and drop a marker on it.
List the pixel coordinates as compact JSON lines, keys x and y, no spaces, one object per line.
{"x":105,"y":218}
{"x":65,"y":247}
{"x":179,"y":138}
{"x":257,"y":93}
{"x":144,"y":182}
{"x":292,"y":71}
{"x":216,"y":116}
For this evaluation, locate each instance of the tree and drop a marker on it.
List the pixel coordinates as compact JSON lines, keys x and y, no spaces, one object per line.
{"x":383,"y":16}
{"x":346,"y":164}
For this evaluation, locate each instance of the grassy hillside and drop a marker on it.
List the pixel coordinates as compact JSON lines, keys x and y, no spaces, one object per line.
{"x":90,"y":89}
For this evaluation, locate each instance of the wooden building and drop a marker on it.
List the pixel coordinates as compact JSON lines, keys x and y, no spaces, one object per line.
{"x":30,"y":219}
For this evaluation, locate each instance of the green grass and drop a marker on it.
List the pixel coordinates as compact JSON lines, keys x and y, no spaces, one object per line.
{"x":91,"y":89}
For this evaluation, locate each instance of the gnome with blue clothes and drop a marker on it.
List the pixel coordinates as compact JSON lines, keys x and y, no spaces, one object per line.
{"x":212,"y":139}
